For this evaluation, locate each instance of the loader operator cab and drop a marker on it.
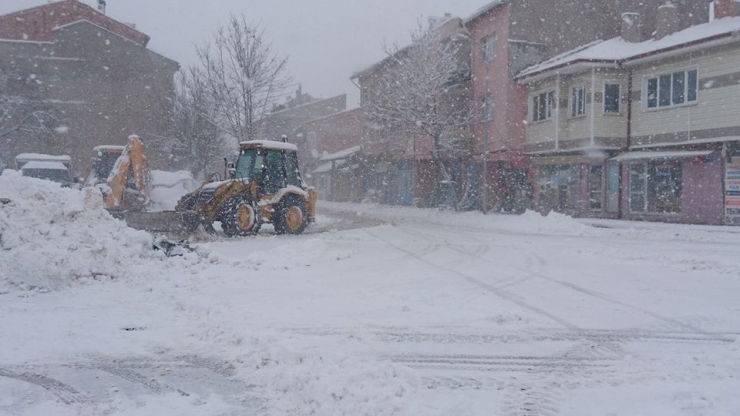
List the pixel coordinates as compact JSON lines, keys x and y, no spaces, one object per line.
{"x":272,"y":169}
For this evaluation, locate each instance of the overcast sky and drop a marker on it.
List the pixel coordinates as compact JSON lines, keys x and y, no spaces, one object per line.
{"x":325,"y":40}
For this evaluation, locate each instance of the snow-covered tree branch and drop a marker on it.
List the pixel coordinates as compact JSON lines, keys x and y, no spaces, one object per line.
{"x":196,"y":141}
{"x":243,"y":76}
{"x":23,"y":116}
{"x":418,"y":91}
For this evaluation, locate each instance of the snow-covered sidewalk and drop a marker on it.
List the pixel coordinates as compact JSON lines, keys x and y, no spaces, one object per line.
{"x":377,"y":311}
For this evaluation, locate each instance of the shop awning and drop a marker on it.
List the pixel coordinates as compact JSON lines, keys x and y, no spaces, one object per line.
{"x":661,"y":155}
{"x":567,"y":160}
{"x":341,"y":154}
{"x":329,"y":166}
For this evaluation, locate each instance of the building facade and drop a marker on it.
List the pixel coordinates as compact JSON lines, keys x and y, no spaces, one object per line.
{"x":511,"y":35}
{"x":334,"y":143}
{"x":641,"y":128}
{"x":400,"y":167}
{"x":94,"y":74}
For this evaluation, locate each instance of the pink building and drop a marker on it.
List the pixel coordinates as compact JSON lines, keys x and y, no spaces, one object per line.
{"x":511,"y":35}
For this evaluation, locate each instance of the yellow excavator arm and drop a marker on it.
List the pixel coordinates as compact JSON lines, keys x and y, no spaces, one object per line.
{"x":131,"y":160}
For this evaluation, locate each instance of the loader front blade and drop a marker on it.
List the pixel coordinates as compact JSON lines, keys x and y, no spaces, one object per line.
{"x":171,"y":222}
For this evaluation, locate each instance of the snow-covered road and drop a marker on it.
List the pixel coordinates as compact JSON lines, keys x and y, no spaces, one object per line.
{"x":383,"y":310}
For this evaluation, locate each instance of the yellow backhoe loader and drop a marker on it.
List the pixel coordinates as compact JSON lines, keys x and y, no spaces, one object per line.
{"x":265,"y":185}
{"x":122,"y":174}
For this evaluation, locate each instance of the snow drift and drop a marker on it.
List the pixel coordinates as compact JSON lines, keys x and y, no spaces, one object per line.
{"x":51,"y":237}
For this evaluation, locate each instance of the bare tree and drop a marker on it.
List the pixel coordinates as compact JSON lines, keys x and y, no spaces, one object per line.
{"x":22,"y":118}
{"x":419,"y":92}
{"x":196,"y":141}
{"x":243,"y":76}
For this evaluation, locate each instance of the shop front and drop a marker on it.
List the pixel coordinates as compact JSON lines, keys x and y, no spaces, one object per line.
{"x":674,"y":186}
{"x":582,"y":186}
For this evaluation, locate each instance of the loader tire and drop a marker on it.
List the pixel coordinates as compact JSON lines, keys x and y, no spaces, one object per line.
{"x":240,"y":217}
{"x":291,"y":215}
{"x":187,"y":203}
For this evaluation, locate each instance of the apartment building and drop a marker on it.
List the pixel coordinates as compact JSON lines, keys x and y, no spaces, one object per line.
{"x":641,"y":127}
{"x":95,"y":74}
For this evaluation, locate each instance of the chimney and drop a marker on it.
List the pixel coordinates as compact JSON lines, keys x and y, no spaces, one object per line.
{"x":668,"y":21}
{"x":101,"y":6}
{"x":725,"y":8}
{"x":632,"y":27}
{"x":298,"y":93}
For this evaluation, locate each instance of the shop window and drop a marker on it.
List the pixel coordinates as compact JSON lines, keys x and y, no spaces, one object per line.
{"x":665,"y":188}
{"x":595,"y":187}
{"x":656,"y":187}
{"x":638,"y":187}
{"x":567,"y":186}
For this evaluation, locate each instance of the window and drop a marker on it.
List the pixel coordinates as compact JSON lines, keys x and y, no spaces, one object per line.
{"x":292,"y":172}
{"x":489,"y":48}
{"x":612,"y":96}
{"x":488,"y":108}
{"x":542,"y":106}
{"x":595,"y":187}
{"x":673,"y":89}
{"x":656,"y":186}
{"x":665,"y":183}
{"x":578,"y":101}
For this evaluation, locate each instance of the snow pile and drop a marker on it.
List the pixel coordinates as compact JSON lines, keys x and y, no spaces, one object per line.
{"x":313,"y":383}
{"x":166,"y":188}
{"x":51,"y":237}
{"x":554,"y":222}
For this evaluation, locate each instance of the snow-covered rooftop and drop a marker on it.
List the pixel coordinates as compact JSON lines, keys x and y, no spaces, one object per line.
{"x":44,"y":165}
{"x":617,"y":50}
{"x":485,"y":9}
{"x":42,"y":157}
{"x":109,"y":148}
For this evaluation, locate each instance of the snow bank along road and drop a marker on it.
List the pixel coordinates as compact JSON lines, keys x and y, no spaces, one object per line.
{"x":384,"y":311}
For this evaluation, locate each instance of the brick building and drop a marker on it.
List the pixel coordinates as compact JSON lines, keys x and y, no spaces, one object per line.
{"x":336,"y":160}
{"x":92,"y":72}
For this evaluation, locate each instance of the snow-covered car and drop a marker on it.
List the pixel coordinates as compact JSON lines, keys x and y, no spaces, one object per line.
{"x":50,"y":171}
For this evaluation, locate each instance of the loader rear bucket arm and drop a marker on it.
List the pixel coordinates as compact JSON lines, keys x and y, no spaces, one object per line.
{"x":132,"y":157}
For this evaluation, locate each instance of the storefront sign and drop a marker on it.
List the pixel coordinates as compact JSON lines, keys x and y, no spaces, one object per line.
{"x":732,"y":192}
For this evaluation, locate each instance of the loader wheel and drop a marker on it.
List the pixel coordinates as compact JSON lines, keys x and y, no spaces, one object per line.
{"x":187,"y":203}
{"x":291,"y":216}
{"x":239,"y":217}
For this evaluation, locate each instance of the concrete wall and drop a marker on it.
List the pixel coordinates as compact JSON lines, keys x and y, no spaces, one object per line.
{"x":103,"y":87}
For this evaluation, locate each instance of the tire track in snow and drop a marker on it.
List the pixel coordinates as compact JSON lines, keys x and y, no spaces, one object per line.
{"x":67,"y":394}
{"x":487,"y":287}
{"x":688,"y":328}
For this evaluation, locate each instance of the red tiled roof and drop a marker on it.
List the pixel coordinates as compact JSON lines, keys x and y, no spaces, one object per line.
{"x":38,"y":23}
